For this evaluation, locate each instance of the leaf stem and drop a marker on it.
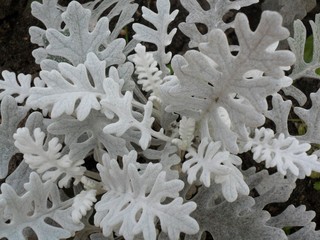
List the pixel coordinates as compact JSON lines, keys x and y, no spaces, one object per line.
{"x":93,"y":175}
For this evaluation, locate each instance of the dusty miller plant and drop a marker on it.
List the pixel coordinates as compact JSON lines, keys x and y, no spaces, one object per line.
{"x":120,"y":141}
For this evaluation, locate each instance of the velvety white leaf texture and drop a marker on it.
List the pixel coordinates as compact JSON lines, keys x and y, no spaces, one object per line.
{"x":72,"y":90}
{"x":232,"y":220}
{"x":215,"y":163}
{"x":21,"y":174}
{"x":92,"y":127}
{"x":134,"y":201}
{"x":245,"y":218}
{"x":77,"y":39}
{"x":297,"y":45}
{"x":15,"y":85}
{"x":292,"y":216}
{"x":50,"y":15}
{"x":159,"y":37}
{"x":19,"y":177}
{"x":82,"y":203}
{"x":277,"y":188}
{"x":121,"y":9}
{"x":203,"y":83}
{"x":186,"y":131}
{"x":50,"y":163}
{"x":32,"y":209}
{"x":279,"y":113}
{"x":212,"y":18}
{"x":135,"y":144}
{"x":295,"y":93}
{"x":289,"y":9}
{"x":285,"y":153}
{"x":311,"y":119}
{"x":115,"y":102}
{"x":146,"y":69}
{"x":80,"y":41}
{"x":11,"y":117}
{"x":167,"y":157}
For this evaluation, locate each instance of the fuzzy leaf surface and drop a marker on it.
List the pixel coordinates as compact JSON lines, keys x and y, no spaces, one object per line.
{"x":303,"y":68}
{"x":92,"y":127}
{"x":11,"y":116}
{"x":213,"y":78}
{"x":31,"y":209}
{"x":134,"y":200}
{"x":12,"y":84}
{"x":72,"y":89}
{"x":215,"y":163}
{"x":312,"y":119}
{"x":49,"y":162}
{"x":77,"y":39}
{"x":116,"y":103}
{"x":285,"y":153}
{"x":159,"y":37}
{"x":212,"y":18}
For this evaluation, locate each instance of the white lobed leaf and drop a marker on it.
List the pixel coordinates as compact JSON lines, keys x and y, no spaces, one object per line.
{"x":72,"y":90}
{"x":159,"y":37}
{"x":311,"y":118}
{"x":82,"y":203}
{"x":215,"y":163}
{"x":11,"y":116}
{"x":92,"y":127}
{"x":121,"y":9}
{"x":80,"y":41}
{"x":279,"y":113}
{"x":297,"y":46}
{"x":11,"y":84}
{"x":246,"y":218}
{"x":289,"y":10}
{"x":115,"y":102}
{"x":186,"y":131}
{"x":212,"y":18}
{"x":146,"y":69}
{"x":50,"y":163}
{"x":49,"y":14}
{"x":134,"y":201}
{"x":82,"y":34}
{"x":21,"y":173}
{"x":40,"y":203}
{"x":203,"y":83}
{"x":285,"y":153}
{"x":168,"y":158}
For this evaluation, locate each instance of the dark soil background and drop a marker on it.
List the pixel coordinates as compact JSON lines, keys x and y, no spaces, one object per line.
{"x":16,"y":49}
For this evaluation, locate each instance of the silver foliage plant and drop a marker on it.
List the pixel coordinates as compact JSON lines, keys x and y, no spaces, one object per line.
{"x":141,"y":144}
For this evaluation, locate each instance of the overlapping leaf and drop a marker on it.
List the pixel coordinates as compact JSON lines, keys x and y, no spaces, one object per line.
{"x":212,"y":18}
{"x":88,"y":135}
{"x":134,"y":201}
{"x":76,"y":40}
{"x":312,"y":119}
{"x":116,"y":103}
{"x":11,"y":84}
{"x":49,"y":14}
{"x":285,"y":153}
{"x":11,"y":116}
{"x":297,"y":45}
{"x":214,"y":163}
{"x":49,"y":162}
{"x":214,"y":78}
{"x":64,"y":89}
{"x":121,"y":9}
{"x":33,"y":209}
{"x":159,"y":37}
